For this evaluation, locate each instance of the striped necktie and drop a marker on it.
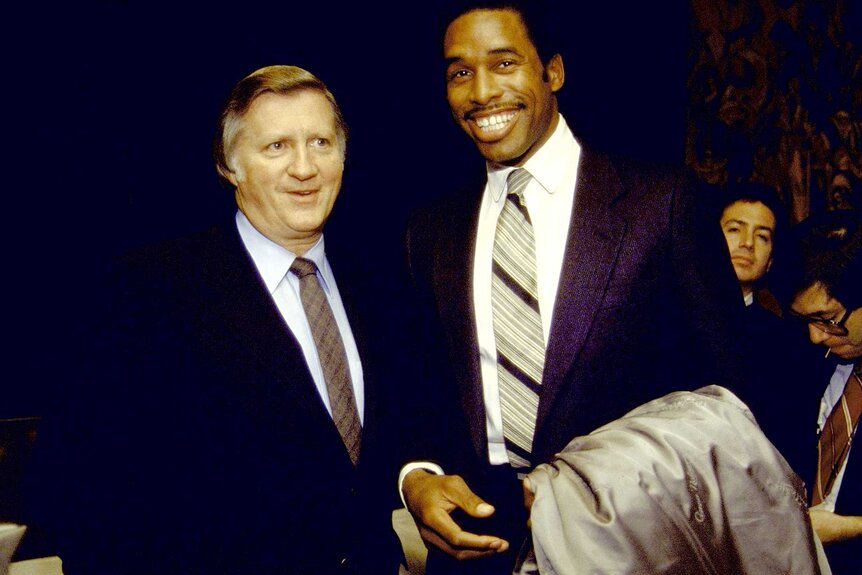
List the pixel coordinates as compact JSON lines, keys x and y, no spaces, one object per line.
{"x":836,"y":436}
{"x":333,"y":358}
{"x":517,"y":322}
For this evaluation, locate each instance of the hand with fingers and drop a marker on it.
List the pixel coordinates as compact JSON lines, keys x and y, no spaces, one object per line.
{"x":431,"y":499}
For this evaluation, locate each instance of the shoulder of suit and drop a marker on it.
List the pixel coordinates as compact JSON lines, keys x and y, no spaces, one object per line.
{"x":461,"y":201}
{"x":181,"y":255}
{"x":635,"y":174}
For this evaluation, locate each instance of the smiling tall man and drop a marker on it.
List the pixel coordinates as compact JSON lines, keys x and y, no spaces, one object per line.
{"x":572,"y":287}
{"x":230,"y":421}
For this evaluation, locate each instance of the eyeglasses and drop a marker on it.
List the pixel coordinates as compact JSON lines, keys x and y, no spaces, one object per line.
{"x":830,"y":326}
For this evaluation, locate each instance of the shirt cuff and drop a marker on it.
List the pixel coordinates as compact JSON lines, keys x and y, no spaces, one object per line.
{"x":413,"y":465}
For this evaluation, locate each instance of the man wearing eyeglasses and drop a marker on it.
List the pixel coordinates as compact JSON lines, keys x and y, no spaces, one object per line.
{"x":822,"y":284}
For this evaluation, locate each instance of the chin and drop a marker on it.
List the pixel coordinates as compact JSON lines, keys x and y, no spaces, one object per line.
{"x":499,"y":155}
{"x":847,"y":354}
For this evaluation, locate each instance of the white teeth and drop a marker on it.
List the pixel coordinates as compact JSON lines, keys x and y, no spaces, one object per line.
{"x":494,"y":122}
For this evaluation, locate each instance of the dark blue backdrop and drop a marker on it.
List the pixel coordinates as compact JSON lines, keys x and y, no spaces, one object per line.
{"x":112,"y":108}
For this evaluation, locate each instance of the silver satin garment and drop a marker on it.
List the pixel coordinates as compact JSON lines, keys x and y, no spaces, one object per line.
{"x":683,"y":484}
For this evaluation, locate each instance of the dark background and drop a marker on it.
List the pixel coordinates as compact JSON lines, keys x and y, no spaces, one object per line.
{"x":111,"y":114}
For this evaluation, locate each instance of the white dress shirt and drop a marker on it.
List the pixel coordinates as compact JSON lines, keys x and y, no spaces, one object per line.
{"x":549,"y":197}
{"x":273,"y":265}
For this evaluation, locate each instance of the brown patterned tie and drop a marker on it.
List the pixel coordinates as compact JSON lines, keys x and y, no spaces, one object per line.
{"x":333,"y":358}
{"x":835,"y":438}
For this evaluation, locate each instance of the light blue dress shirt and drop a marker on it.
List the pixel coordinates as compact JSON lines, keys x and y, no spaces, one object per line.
{"x":273,"y":265}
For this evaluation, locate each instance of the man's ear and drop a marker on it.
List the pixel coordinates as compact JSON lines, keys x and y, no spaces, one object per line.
{"x":233,"y":176}
{"x":555,"y":72}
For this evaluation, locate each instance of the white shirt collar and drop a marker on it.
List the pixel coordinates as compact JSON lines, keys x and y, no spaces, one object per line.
{"x":545,"y":165}
{"x":272,"y":260}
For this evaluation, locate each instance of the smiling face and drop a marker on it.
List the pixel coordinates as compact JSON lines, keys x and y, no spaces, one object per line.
{"x":287,"y":166}
{"x":498,"y":90}
{"x":748,"y":228}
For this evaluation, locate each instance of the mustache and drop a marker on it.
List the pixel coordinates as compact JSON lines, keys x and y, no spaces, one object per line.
{"x":473,"y":112}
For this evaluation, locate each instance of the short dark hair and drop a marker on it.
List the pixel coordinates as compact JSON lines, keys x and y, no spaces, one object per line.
{"x":540,"y":21}
{"x":755,"y":192}
{"x":278,"y":79}
{"x":827,"y":250}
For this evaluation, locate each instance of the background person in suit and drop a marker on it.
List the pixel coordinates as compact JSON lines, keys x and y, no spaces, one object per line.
{"x":750,"y":220}
{"x":633,"y":294}
{"x":822,"y":286}
{"x":754,"y":223}
{"x":207,"y":436}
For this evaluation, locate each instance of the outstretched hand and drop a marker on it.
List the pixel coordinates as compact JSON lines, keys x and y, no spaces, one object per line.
{"x":432,"y":498}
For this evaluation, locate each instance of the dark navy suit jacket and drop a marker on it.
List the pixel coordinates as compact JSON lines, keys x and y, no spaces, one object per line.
{"x":196,"y":441}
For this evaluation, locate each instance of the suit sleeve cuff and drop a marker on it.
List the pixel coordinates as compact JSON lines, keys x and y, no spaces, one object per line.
{"x":413,"y":465}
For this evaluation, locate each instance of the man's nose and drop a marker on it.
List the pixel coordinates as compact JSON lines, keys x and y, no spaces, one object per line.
{"x":485,"y":87}
{"x":303,"y":165}
{"x":816,"y":335}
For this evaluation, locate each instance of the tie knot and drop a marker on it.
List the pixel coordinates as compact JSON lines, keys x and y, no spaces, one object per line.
{"x":303,"y":267}
{"x":517,"y":181}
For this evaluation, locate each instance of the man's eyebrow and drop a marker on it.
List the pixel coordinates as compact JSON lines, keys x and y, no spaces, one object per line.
{"x":493,"y":52}
{"x":504,"y":50}
{"x":745,"y":223}
{"x":452,"y":59}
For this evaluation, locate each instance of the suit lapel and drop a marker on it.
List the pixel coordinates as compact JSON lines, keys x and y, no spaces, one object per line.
{"x":595,"y":235}
{"x":357,"y":308}
{"x":263,"y":338}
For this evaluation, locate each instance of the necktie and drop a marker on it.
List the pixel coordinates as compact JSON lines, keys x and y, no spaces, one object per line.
{"x":836,"y":435}
{"x":517,"y":323}
{"x":333,"y":359}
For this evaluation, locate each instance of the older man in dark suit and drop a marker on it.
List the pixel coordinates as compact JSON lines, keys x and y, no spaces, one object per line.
{"x":232,"y":419}
{"x":574,"y":287}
